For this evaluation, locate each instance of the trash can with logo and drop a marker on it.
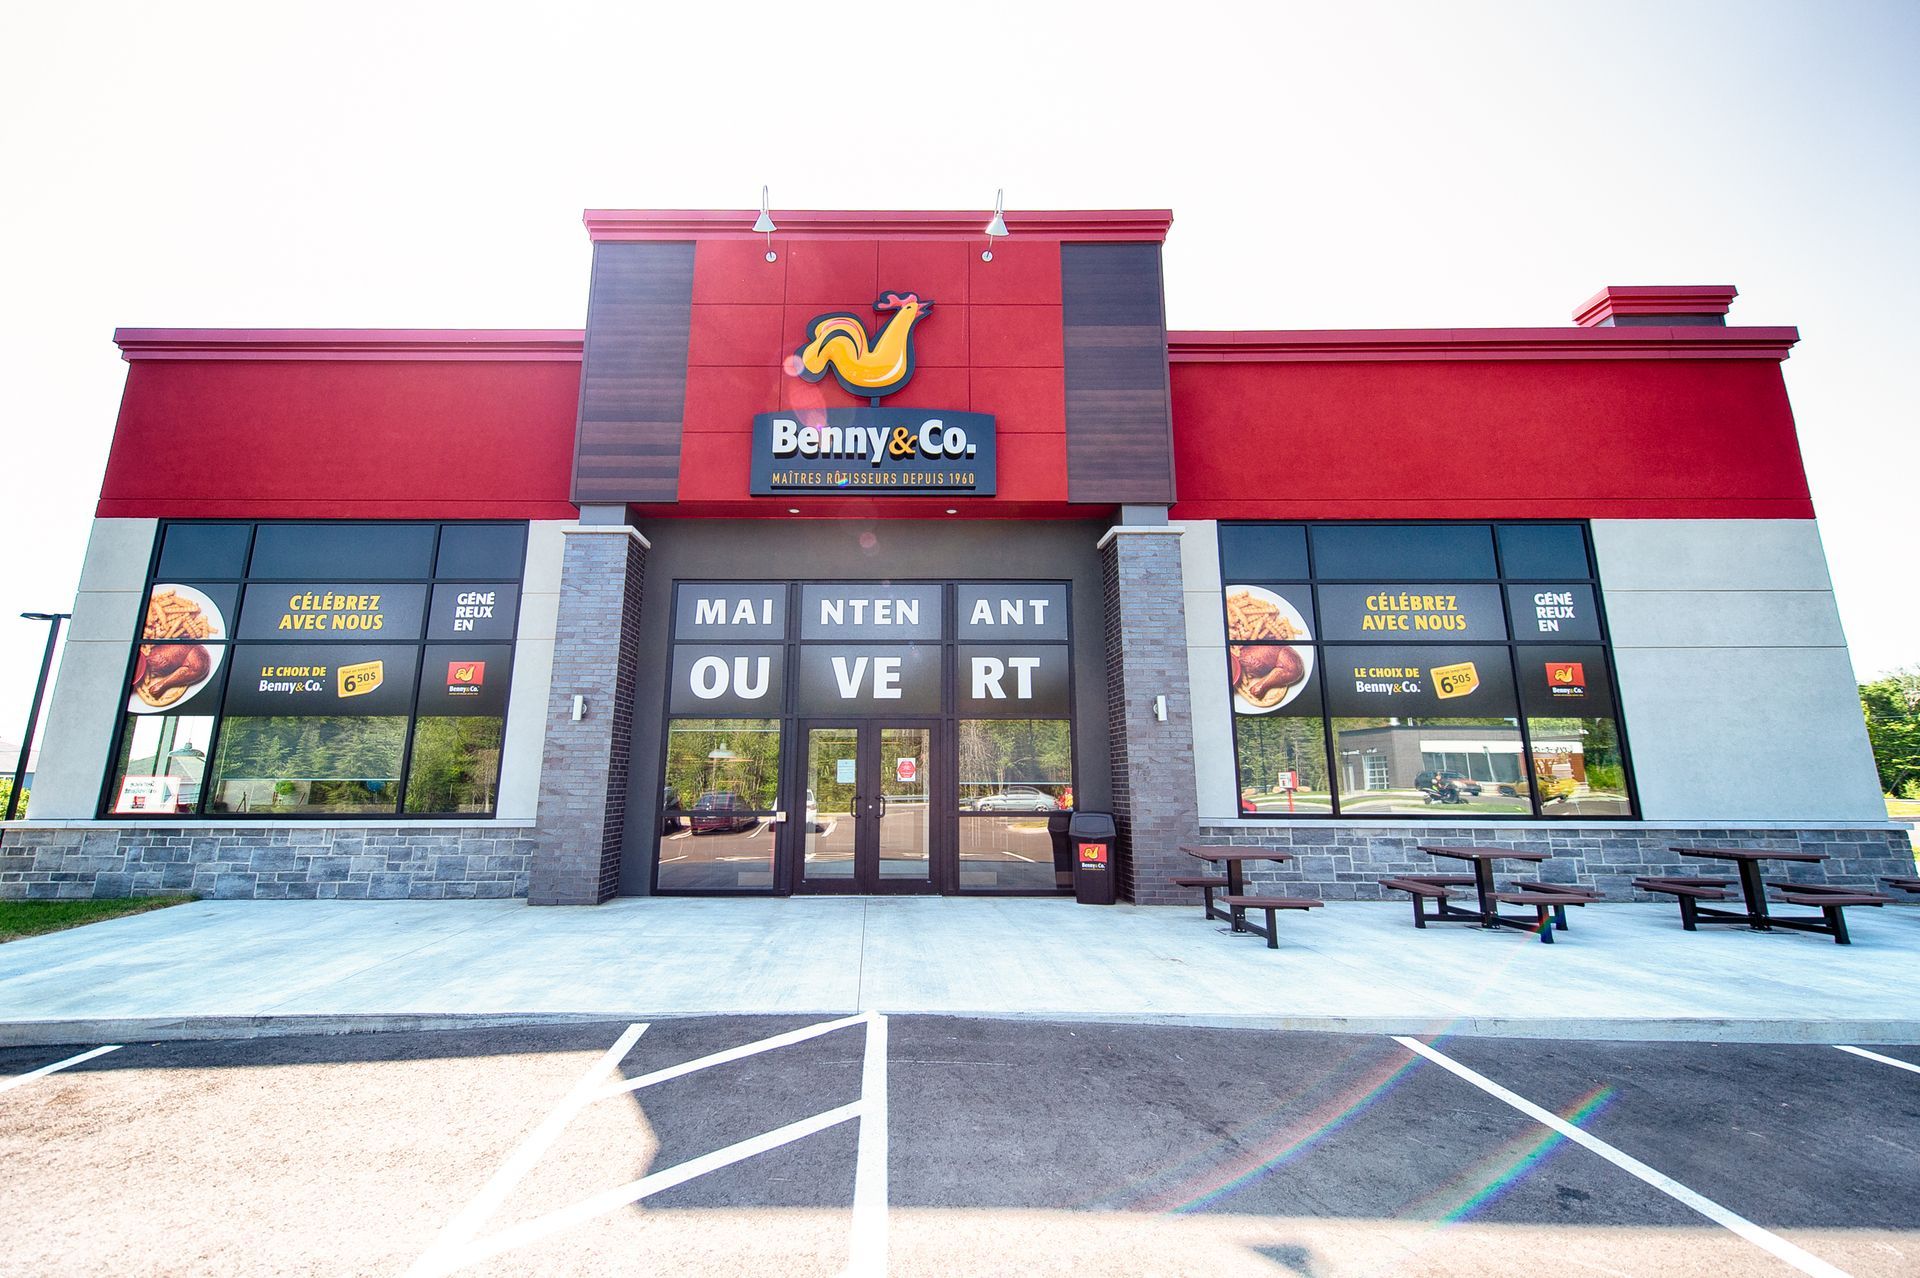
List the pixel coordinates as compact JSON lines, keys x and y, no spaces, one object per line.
{"x":1057,"y":823}
{"x":1092,"y":837}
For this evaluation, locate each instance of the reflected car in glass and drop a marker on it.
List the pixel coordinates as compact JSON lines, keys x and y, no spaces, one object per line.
{"x":1443,"y":780}
{"x":721,"y":810}
{"x":1017,"y":798}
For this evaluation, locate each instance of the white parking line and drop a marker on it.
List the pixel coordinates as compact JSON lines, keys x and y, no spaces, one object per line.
{"x":732,"y":1054}
{"x":460,"y":1243}
{"x":868,"y":1253}
{"x":1805,"y":1262}
{"x":1909,"y":1066}
{"x":613,"y":1200}
{"x":445,"y":1255}
{"x":30,"y":1075}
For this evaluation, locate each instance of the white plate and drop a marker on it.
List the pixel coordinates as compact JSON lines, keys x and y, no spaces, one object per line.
{"x":1302,"y":646}
{"x":216,"y":624}
{"x":217,"y":629}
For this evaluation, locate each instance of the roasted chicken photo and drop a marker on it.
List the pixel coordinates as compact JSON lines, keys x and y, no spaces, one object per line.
{"x":1262,"y":672}
{"x":166,"y":670}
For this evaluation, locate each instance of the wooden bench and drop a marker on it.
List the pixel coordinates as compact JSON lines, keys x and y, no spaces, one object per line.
{"x":1905,"y":885}
{"x":1566,"y":894}
{"x":1830,"y":901}
{"x":1545,"y":904}
{"x":1425,"y":887}
{"x":1688,"y":891}
{"x":1270,"y":904}
{"x":1206,"y":884}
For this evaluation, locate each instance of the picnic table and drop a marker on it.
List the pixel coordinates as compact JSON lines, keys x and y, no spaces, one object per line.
{"x":1692,"y":892}
{"x":1236,"y":899}
{"x":1548,"y":901}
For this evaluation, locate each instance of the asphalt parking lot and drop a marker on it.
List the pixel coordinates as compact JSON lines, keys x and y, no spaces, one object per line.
{"x":929,"y":1145}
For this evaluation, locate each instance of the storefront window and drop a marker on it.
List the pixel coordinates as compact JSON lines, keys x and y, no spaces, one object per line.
{"x":722,"y":783}
{"x":1577,"y":768}
{"x":276,"y":765}
{"x":1013,"y":773}
{"x":1283,"y":765}
{"x":1458,"y":669}
{"x":299,"y":657}
{"x":162,"y":764}
{"x":455,"y":766}
{"x":1015,"y":765}
{"x":1430,"y":767}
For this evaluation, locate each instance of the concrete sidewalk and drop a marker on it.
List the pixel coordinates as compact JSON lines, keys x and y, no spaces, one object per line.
{"x":218,"y":968}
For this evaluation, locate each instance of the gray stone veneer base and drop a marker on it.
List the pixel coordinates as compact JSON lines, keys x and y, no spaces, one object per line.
{"x":1346,"y":862}
{"x":324,"y":862}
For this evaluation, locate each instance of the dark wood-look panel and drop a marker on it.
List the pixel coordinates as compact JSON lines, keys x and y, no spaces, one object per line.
{"x":633,"y":374}
{"x":1119,"y":427}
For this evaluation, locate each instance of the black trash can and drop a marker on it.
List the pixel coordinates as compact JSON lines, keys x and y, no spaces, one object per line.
{"x":1057,"y":823}
{"x":1092,"y":837}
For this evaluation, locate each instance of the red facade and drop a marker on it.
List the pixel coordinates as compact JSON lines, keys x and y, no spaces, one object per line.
{"x":1562,"y":422}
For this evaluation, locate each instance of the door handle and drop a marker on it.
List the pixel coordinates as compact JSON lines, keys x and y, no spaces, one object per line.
{"x":880,"y":806}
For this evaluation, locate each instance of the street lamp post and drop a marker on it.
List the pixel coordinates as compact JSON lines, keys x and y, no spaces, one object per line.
{"x":33,"y":715}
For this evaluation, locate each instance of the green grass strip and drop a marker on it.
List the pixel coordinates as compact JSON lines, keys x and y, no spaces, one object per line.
{"x":32,"y":918}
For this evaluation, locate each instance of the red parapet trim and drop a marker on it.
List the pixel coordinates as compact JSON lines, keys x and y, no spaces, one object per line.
{"x":823,"y":506}
{"x":507,"y":345}
{"x":1656,"y":299}
{"x":1502,"y":508}
{"x":1358,"y":345}
{"x":280,"y":508}
{"x":1089,"y":225}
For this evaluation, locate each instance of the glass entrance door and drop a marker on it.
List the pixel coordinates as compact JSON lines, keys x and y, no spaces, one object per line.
{"x":867,"y":822}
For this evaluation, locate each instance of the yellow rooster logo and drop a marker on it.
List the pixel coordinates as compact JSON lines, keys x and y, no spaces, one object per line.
{"x":838,"y":341}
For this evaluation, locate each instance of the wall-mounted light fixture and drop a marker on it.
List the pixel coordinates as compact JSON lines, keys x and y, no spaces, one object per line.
{"x":1160,"y":709}
{"x":997,"y":227}
{"x":579,"y":707}
{"x":764,"y":224}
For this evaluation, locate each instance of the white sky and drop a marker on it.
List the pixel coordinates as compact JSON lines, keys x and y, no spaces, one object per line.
{"x":1345,"y":166}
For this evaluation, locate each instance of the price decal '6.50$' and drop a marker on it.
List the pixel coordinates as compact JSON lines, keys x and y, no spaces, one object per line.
{"x":358,"y":680}
{"x":1454,"y":681}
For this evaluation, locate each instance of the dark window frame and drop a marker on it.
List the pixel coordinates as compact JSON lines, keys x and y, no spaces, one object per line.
{"x":104,"y":808}
{"x":1513,"y":646}
{"x":792,"y":720}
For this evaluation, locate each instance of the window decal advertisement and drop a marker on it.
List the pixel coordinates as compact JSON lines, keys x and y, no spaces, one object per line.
{"x":148,"y":794}
{"x":729,"y":610}
{"x":332,"y":610}
{"x":474,"y":612}
{"x":1013,"y":610}
{"x":1442,"y":611}
{"x":727,"y":679}
{"x":311,"y":680}
{"x":1419,"y":680}
{"x":869,"y":679}
{"x":870,"y":611}
{"x":1554,"y":612}
{"x":466,"y":680}
{"x":1565,"y":682}
{"x":1269,"y":662}
{"x":174,"y":669}
{"x":1014,"y":682}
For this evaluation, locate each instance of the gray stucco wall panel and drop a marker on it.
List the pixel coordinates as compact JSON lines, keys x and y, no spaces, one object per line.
{"x":82,"y":720}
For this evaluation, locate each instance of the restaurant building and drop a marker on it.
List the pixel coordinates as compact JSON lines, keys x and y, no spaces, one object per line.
{"x":836,"y":558}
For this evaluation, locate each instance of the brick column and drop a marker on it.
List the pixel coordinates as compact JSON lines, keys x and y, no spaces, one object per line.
{"x":1154,"y":800}
{"x":583,"y":767}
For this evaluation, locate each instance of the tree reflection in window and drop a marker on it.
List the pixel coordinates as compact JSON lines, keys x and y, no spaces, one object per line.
{"x":455,"y":765}
{"x":318,"y":764}
{"x":724,"y":756}
{"x":1004,"y":763}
